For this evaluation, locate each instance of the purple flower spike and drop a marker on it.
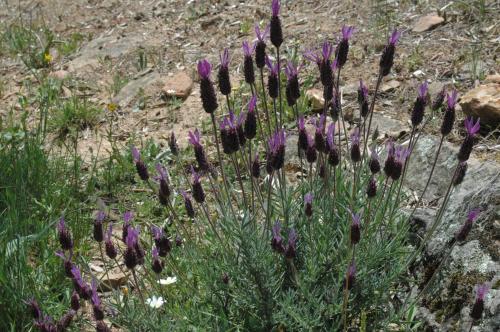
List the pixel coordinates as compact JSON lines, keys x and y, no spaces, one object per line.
{"x":157,"y":232}
{"x":35,"y":308}
{"x":355,"y":136}
{"x":96,"y":301}
{"x":204,"y":69}
{"x":481,"y":291}
{"x":155,"y":253}
{"x":422,"y":90}
{"x":347,"y":32}
{"x":272,"y":68}
{"x":277,"y":240}
{"x":162,"y":172}
{"x":128,"y":216}
{"x":394,"y":37}
{"x":195,"y":138}
{"x":351,"y":276}
{"x":471,"y":127}
{"x":135,"y":154}
{"x":247,"y":49}
{"x":355,"y":228}
{"x":330,"y":135}
{"x":224,"y":58}
{"x":326,"y":50}
{"x":301,"y":123}
{"x":363,"y":90}
{"x":308,"y":198}
{"x":477,"y":309}
{"x":275,"y":7}
{"x":252,"y":104}
{"x":473,"y":215}
{"x":291,"y":250}
{"x":261,"y":35}
{"x":451,"y":99}
{"x":291,"y":70}
{"x":64,"y":235}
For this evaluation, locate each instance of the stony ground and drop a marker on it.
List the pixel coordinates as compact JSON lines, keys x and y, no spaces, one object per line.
{"x":132,"y":56}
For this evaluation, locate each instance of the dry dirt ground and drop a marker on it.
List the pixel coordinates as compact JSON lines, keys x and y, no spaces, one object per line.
{"x":173,"y":35}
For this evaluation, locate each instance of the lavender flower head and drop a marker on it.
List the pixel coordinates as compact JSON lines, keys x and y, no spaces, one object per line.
{"x":207,"y":91}
{"x":256,"y":167}
{"x":468,"y":143}
{"x":34,"y":308}
{"x":319,"y":139}
{"x":302,"y":140}
{"x":355,"y":228}
{"x":199,"y":152}
{"x":324,"y":63}
{"x":351,"y":276}
{"x":157,"y":265}
{"x":478,"y":308}
{"x":343,"y":46}
{"x":276,"y":146}
{"x":161,"y":241}
{"x":96,"y":302}
{"x":275,"y":25}
{"x":223,"y":74}
{"x":374,"y":162}
{"x":80,"y":286}
{"x":98,"y":230}
{"x":260,"y":46}
{"x":248,"y":63}
{"x":292,"y":87}
{"x":311,"y":154}
{"x":277,"y":240}
{"x":198,"y":193}
{"x":229,"y":134}
{"x":401,"y":154}
{"x":164,"y":190}
{"x":64,"y":235}
{"x":188,"y":204}
{"x":291,"y":249}
{"x":451,"y":99}
{"x":272,"y":80}
{"x":204,"y":69}
{"x":108,"y":244}
{"x":141,"y":168}
{"x":363,"y":99}
{"x":449,"y":114}
{"x":355,"y":150}
{"x":308,"y":198}
{"x":68,"y":265}
{"x":130,"y":256}
{"x":250,"y":126}
{"x":417,"y":114}
{"x":387,"y":58}
{"x":464,"y":231}
{"x":172,"y":143}
{"x":371,"y":187}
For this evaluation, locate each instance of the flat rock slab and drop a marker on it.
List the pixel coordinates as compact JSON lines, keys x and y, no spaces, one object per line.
{"x":103,"y":48}
{"x":428,"y":22}
{"x":483,"y":102}
{"x":130,"y":91}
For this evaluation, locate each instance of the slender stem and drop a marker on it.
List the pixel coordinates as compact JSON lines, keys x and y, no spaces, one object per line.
{"x":238,"y":174}
{"x":219,"y":156}
{"x":265,"y":100}
{"x":279,"y":85}
{"x":138,"y":288}
{"x":250,"y":173}
{"x":268,"y":208}
{"x":275,"y":114}
{"x":254,"y":91}
{"x":346,"y":291}
{"x":372,"y":107}
{"x":104,"y":261}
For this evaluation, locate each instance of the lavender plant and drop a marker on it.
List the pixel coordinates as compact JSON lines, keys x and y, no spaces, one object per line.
{"x":254,"y":250}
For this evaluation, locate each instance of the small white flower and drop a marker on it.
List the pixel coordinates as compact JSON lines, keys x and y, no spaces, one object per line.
{"x":168,"y":281}
{"x":155,"y":302}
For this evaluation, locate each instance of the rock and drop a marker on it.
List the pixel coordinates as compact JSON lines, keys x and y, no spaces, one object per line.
{"x":350,"y":89}
{"x":388,"y":127}
{"x":483,"y":102}
{"x":315,"y":97}
{"x":178,"y":85}
{"x":492,"y":79}
{"x":115,"y":280}
{"x":470,"y":262}
{"x":390,"y":86}
{"x":106,"y":47}
{"x":130,"y":91}
{"x":418,"y":73}
{"x":426,"y":23}
{"x":59,"y":74}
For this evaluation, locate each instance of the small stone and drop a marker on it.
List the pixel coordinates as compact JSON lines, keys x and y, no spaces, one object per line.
{"x":483,"y":102}
{"x":59,"y":74}
{"x":315,"y":97}
{"x":115,"y":280}
{"x":390,"y":86}
{"x":492,"y":79}
{"x":418,"y":73}
{"x":178,"y":85}
{"x":426,"y":23}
